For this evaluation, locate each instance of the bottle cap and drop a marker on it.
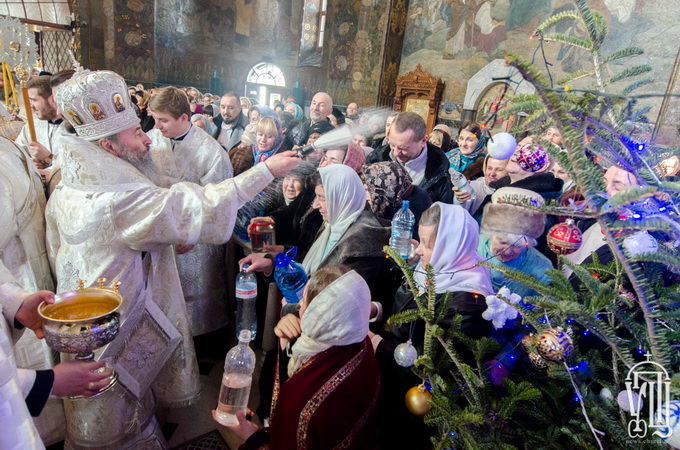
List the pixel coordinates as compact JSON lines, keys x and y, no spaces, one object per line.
{"x":245,"y":267}
{"x":284,"y":258}
{"x":244,"y":336}
{"x":405,"y":204}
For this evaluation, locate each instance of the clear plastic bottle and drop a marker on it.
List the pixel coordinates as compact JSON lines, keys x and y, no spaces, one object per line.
{"x":290,"y":276}
{"x":402,"y":230}
{"x":238,"y":376}
{"x":459,"y":181}
{"x":246,"y":297}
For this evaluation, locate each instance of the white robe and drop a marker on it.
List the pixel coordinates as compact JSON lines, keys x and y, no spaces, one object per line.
{"x":23,"y":255}
{"x":46,"y":133}
{"x":106,"y":219}
{"x":18,"y":430}
{"x":198,"y":158}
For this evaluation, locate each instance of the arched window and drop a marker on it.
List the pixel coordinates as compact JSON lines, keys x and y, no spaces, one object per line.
{"x":266,"y":73}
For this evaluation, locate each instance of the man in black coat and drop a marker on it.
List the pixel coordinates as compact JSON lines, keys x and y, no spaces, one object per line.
{"x":231,"y":122}
{"x":426,"y":164}
{"x":319,"y":110}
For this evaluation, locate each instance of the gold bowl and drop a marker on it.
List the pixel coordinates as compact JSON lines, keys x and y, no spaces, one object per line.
{"x":81,"y":321}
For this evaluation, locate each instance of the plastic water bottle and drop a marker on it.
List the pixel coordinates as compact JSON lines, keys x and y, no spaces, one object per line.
{"x":290,"y":276}
{"x":459,"y":181}
{"x":246,"y":296}
{"x":402,"y":230}
{"x":238,"y":376}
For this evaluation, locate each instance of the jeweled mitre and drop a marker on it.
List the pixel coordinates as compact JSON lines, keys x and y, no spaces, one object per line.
{"x":96,"y":103}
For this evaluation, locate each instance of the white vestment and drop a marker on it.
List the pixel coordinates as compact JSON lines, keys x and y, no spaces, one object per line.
{"x":46,"y":133}
{"x":23,"y":255}
{"x":106,"y":219}
{"x":18,"y":430}
{"x":197,"y":158}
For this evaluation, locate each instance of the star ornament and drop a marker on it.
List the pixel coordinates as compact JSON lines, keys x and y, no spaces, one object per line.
{"x":498,"y":311}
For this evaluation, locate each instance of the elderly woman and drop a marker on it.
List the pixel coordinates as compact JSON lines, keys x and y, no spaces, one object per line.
{"x":295,"y":110}
{"x":350,"y":155}
{"x":449,"y":237}
{"x":202,"y":122}
{"x":388,"y":184}
{"x":350,"y":234}
{"x":468,"y":158}
{"x":331,"y":349}
{"x":509,"y":236}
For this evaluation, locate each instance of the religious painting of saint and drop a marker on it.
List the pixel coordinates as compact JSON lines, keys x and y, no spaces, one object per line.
{"x":73,"y":118}
{"x":118,"y":102}
{"x":96,"y":111}
{"x":491,"y":102}
{"x":420,"y":106}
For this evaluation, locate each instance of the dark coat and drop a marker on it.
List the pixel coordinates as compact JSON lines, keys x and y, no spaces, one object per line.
{"x":437,"y":182}
{"x":239,"y":126}
{"x":361,"y":248}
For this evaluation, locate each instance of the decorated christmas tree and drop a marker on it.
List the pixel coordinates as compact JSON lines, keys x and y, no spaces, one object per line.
{"x":601,"y":363}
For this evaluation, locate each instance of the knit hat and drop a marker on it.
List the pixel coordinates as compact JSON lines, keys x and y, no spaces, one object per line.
{"x":443,"y":127}
{"x":355,"y":157}
{"x":500,"y":216}
{"x":248,"y":136}
{"x":97,"y":104}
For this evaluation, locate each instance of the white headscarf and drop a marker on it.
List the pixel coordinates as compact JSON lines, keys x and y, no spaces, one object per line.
{"x":345,"y":200}
{"x":455,"y":249}
{"x":337,"y":316}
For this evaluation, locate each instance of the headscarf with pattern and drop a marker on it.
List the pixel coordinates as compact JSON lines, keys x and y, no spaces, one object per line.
{"x":260,"y":156}
{"x":387,"y":183}
{"x":461,"y":162}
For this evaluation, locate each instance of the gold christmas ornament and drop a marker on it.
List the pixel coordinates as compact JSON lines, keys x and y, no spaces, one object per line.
{"x":418,"y":400}
{"x":555,"y":345}
{"x":537,"y":361}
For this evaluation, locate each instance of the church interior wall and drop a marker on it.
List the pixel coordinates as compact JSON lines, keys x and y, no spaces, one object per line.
{"x":452,"y":39}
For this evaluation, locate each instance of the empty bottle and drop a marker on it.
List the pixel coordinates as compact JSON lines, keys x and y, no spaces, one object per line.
{"x":402,"y":230}
{"x":290,"y":276}
{"x":459,"y":181}
{"x":238,"y":376}
{"x":246,"y":296}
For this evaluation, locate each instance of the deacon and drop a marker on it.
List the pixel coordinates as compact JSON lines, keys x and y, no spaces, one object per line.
{"x":183,"y":152}
{"x":108,"y":220}
{"x":46,"y":126}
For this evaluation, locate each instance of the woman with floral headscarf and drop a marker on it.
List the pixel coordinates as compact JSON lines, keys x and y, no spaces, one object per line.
{"x":468,"y":158}
{"x":388,"y":184}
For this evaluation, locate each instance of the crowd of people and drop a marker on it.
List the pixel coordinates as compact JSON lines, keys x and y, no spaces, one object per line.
{"x":156,"y":188}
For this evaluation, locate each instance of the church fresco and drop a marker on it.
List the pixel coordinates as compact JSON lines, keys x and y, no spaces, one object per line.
{"x":453,"y":39}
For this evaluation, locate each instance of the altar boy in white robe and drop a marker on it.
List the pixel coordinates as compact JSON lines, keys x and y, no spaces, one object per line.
{"x":107,"y":219}
{"x":184,"y":152}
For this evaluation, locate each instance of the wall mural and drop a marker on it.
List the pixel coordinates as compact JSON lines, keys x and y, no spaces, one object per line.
{"x":453,"y":39}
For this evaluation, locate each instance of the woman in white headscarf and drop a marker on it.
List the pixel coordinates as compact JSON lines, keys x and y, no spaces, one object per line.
{"x":449,"y":237}
{"x":350,"y":234}
{"x":330,"y":361}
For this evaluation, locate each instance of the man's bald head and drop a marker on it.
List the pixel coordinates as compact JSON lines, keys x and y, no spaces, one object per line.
{"x":321,"y":106}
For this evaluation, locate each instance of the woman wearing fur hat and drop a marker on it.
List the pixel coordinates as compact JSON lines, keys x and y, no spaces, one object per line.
{"x":508,"y":238}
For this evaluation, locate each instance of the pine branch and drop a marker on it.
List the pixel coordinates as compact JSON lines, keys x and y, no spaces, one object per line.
{"x":575,"y":76}
{"x":623,"y":53}
{"x":630,"y":72}
{"x":557,"y":18}
{"x":401,"y":318}
{"x":569,"y":40}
